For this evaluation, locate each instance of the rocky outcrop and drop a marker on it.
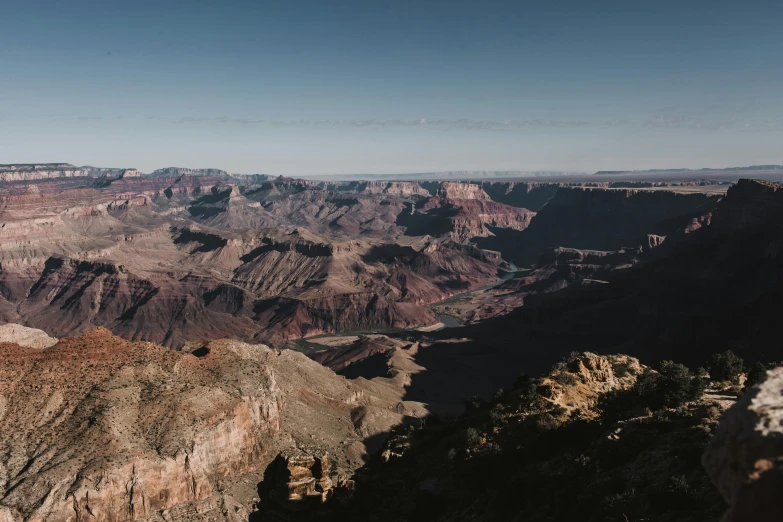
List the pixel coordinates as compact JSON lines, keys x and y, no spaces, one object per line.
{"x":745,"y":456}
{"x":579,"y":384}
{"x":27,"y":337}
{"x":130,"y":173}
{"x":300,"y":476}
{"x":452,"y":190}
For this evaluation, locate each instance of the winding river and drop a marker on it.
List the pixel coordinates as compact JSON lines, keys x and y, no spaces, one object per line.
{"x":305,"y":346}
{"x":451,"y":322}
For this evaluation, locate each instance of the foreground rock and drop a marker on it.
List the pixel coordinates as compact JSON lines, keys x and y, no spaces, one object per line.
{"x":99,"y":427}
{"x":745,"y":456}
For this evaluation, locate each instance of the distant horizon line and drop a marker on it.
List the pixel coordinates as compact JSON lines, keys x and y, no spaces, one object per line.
{"x":489,"y":173}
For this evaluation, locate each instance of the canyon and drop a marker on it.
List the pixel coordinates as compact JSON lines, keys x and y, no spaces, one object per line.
{"x":209,"y":254}
{"x":193,"y":344}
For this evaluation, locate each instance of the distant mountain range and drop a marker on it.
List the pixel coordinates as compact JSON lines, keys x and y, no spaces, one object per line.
{"x":652,"y":171}
{"x":445,"y":175}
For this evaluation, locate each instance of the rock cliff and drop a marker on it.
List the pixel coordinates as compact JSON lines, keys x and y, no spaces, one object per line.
{"x":601,"y":219}
{"x":98,"y":427}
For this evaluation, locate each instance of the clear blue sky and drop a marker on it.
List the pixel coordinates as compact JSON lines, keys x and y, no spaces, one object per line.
{"x":312,"y":87}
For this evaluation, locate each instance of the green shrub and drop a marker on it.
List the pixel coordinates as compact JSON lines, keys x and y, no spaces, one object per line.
{"x":755,"y":375}
{"x":725,"y":366}
{"x":673,"y":386}
{"x":678,"y":385}
{"x":472,"y":437}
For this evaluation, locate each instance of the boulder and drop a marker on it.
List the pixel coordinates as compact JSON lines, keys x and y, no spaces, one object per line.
{"x":744,"y":459}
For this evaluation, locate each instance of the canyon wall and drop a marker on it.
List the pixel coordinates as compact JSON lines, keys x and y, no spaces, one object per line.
{"x":601,"y":219}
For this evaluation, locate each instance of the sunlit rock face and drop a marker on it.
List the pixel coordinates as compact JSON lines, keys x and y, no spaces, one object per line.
{"x":99,"y":427}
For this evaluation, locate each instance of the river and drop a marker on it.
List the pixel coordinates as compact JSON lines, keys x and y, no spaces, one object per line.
{"x":307,"y":347}
{"x":451,"y":322}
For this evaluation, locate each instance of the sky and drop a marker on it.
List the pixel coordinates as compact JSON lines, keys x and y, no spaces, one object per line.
{"x":363,"y":86}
